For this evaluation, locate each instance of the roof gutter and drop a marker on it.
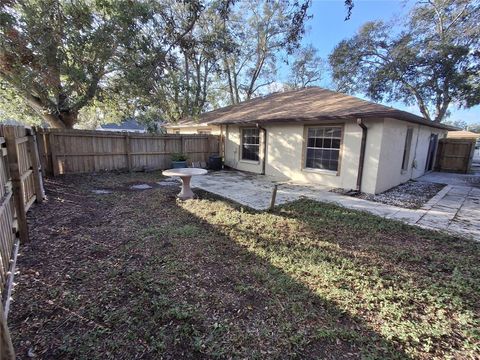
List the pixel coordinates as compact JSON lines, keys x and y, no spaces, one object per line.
{"x":414,"y":119}
{"x":264,"y":140}
{"x":361,"y":160}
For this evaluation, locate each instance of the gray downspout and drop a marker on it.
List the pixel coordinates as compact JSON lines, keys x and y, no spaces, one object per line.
{"x":361,"y":161}
{"x":264,"y":131}
{"x":222,"y":142}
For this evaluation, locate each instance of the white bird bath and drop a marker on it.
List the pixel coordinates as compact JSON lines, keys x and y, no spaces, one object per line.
{"x":185,"y":175}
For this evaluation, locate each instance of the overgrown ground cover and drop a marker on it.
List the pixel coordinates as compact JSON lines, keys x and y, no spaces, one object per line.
{"x":136,"y":274}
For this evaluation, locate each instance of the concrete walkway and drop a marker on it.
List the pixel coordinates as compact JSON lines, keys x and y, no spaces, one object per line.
{"x":469,"y":180}
{"x":454,"y":209}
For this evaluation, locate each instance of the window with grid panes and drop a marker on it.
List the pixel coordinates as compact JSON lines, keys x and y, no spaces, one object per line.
{"x":323,"y":148}
{"x":250,"y":144}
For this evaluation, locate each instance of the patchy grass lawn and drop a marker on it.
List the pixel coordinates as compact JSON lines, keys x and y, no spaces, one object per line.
{"x":136,"y":274}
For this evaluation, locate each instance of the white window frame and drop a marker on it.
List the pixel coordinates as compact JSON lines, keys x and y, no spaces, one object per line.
{"x":306,"y":147}
{"x":242,"y":144}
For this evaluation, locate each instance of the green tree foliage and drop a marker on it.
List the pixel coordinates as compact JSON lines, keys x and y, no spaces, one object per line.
{"x":256,"y":34}
{"x":230,"y":53}
{"x":461,"y":124}
{"x":474,"y":128}
{"x":96,"y":61}
{"x":59,"y":55}
{"x":183,"y":87}
{"x":307,"y":68}
{"x":12,"y":107}
{"x":432,"y":62}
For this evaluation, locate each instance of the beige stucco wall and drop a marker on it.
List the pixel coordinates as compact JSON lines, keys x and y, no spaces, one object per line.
{"x":383,"y":154}
{"x":285,"y":155}
{"x":232,"y":152}
{"x":422,"y":144}
{"x":390,"y":171}
{"x":215,"y":130}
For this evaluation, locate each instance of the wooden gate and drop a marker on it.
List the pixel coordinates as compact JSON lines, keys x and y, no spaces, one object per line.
{"x":455,"y":155}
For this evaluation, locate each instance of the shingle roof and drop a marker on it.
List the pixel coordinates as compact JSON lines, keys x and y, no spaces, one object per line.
{"x":463,"y":134}
{"x":128,"y":124}
{"x":309,"y":104}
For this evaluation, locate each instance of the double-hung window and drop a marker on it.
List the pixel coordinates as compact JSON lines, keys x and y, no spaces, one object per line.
{"x":323,"y":148}
{"x":250,"y":144}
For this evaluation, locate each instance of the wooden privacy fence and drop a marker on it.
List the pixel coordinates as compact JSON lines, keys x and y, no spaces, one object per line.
{"x":20,"y":186}
{"x":80,"y":151}
{"x":455,"y":155}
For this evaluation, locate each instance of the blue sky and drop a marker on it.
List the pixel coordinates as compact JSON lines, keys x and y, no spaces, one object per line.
{"x":327,"y":28}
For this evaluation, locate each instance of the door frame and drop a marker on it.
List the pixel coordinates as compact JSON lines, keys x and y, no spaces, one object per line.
{"x":431,"y":153}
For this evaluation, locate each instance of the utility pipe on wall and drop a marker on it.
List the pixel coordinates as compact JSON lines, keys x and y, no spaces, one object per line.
{"x":361,"y":160}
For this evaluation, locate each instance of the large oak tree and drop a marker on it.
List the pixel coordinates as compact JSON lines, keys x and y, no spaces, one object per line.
{"x":432,"y":62}
{"x":58,"y":55}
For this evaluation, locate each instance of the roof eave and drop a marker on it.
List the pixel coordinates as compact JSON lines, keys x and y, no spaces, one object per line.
{"x":281,"y":120}
{"x":405,"y":117}
{"x":186,"y":125}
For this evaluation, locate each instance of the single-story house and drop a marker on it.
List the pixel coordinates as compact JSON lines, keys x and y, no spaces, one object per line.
{"x":127,"y":125}
{"x":314,"y":135}
{"x":189,"y":126}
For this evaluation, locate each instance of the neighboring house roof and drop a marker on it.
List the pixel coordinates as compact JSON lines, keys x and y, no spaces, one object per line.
{"x":463,"y":134}
{"x":11,"y":122}
{"x":128,"y":125}
{"x":187,"y":123}
{"x":308,"y":104}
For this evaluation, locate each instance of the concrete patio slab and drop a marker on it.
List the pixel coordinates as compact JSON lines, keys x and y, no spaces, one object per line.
{"x":455,"y":209}
{"x":252,"y":190}
{"x":463,"y":180}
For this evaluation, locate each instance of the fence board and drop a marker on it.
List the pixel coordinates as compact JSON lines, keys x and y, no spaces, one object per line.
{"x":455,"y":155}
{"x":83,"y":151}
{"x":20,"y":185}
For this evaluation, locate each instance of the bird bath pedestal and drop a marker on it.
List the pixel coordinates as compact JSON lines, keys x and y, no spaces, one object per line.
{"x":185,"y":175}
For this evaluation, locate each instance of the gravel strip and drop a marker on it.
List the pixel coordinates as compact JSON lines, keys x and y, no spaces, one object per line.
{"x":409,"y":195}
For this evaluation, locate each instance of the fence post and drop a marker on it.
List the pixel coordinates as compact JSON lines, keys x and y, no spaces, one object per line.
{"x":18,"y":194}
{"x":36,"y":168}
{"x":42,"y":151}
{"x":6,"y":347}
{"x":274,"y":197}
{"x":128,"y":151}
{"x":53,"y":154}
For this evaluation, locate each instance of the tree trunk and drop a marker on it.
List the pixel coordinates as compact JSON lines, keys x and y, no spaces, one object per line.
{"x":187,"y":84}
{"x":63,"y":120}
{"x":229,"y":78}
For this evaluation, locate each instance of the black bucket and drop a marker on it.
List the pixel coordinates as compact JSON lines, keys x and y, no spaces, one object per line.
{"x":215,"y":162}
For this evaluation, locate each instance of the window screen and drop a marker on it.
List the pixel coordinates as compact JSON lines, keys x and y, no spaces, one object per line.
{"x":323,"y":148}
{"x":250,"y":144}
